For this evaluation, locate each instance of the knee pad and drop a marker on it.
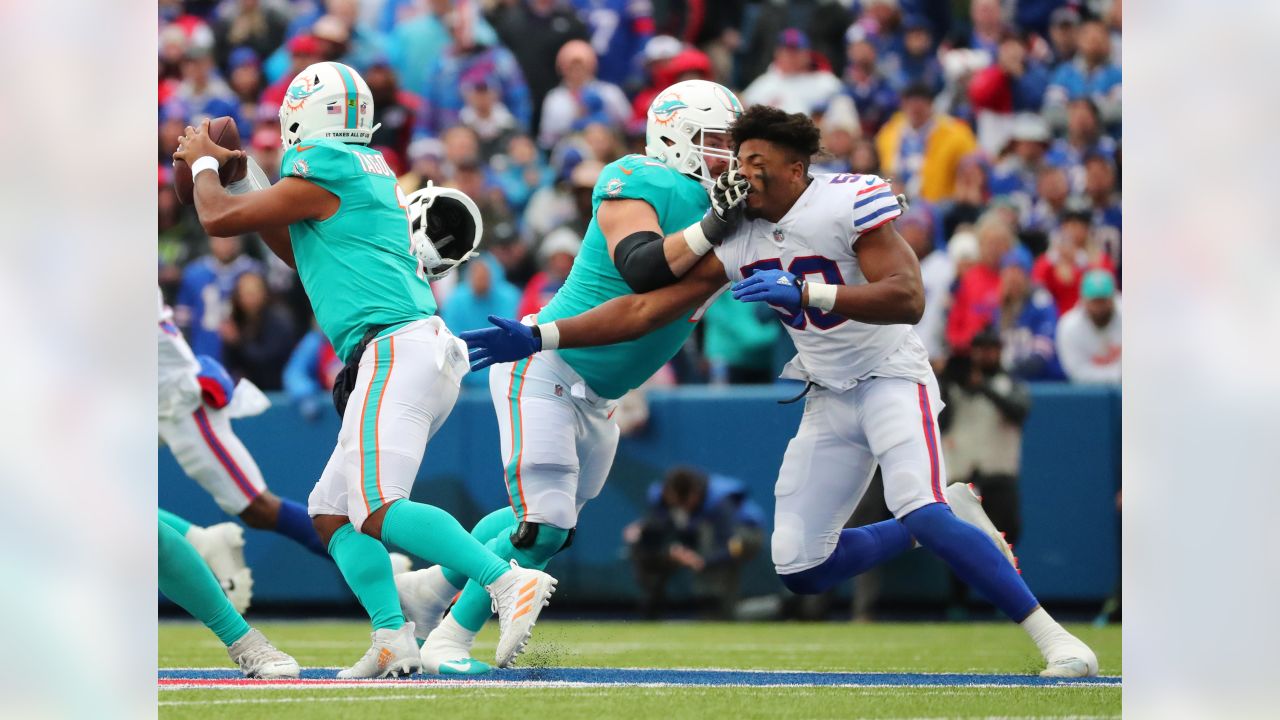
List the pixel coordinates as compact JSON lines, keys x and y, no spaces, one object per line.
{"x":788,"y":541}
{"x":539,"y":542}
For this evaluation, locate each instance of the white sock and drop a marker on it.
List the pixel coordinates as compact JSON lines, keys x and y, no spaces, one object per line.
{"x":1043,"y":629}
{"x":434,"y":581}
{"x":452,"y":631}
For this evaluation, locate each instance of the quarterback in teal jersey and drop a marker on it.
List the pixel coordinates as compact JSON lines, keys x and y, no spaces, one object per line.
{"x":365,"y":253}
{"x":652,"y":219}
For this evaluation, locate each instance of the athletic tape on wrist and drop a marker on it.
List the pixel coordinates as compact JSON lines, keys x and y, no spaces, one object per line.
{"x":696,"y":239}
{"x":550,"y":335}
{"x":821,"y":295}
{"x":204,"y":162}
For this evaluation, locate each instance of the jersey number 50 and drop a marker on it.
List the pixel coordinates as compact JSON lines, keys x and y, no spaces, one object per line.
{"x":800,"y":267}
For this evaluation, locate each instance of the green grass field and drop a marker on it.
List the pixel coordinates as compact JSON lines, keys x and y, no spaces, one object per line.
{"x":833,"y":646}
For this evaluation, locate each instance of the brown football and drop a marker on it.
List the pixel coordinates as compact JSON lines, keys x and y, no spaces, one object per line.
{"x":223,"y":131}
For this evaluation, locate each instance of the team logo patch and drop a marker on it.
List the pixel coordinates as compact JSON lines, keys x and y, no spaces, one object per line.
{"x":614,"y":188}
{"x":664,"y":109}
{"x":778,"y":237}
{"x":301,"y":168}
{"x":296,"y":96}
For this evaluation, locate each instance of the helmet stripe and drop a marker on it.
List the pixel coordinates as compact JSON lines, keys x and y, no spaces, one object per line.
{"x":349,"y":83}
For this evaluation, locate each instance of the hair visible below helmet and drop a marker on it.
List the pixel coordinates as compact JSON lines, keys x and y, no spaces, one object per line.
{"x":678,"y":119}
{"x":327,"y":100}
{"x":444,"y":229}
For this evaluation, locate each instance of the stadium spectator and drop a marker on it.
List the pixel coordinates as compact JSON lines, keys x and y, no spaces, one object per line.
{"x":1083,"y":137}
{"x":426,"y":158}
{"x":919,"y":62}
{"x":738,"y":341}
{"x":840,"y":131}
{"x":397,"y":109}
{"x":303,"y":50}
{"x":792,"y":82}
{"x":920,"y":149}
{"x":484,"y":112}
{"x":1091,"y":74}
{"x":469,"y":57}
{"x":581,"y":98}
{"x":864,"y":158}
{"x":1052,"y":192}
{"x":247,"y":24}
{"x":245,"y":79}
{"x":1014,"y":83}
{"x":204,"y":297}
{"x":565,"y":204}
{"x":1102,"y":193}
{"x":605,"y":144}
{"x":471,"y":177}
{"x":1089,"y":337}
{"x":202,"y":91}
{"x":1015,"y":174}
{"x":981,"y":427}
{"x":872,"y":92}
{"x":977,"y":298}
{"x":883,"y":22}
{"x":360,"y":42}
{"x":1026,"y":321}
{"x":535,"y":30}
{"x":416,"y":41}
{"x":970,"y":195}
{"x":937,"y":272}
{"x":1072,"y":252}
{"x":619,"y":30}
{"x":520,"y":172}
{"x":555,"y":258}
{"x":258,"y":335}
{"x":985,"y":28}
{"x":309,"y":374}
{"x":1064,"y":25}
{"x":459,"y":144}
{"x":483,"y":291}
{"x":706,"y":524}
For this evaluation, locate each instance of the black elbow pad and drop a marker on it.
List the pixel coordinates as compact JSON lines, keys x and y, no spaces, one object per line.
{"x":642,"y":263}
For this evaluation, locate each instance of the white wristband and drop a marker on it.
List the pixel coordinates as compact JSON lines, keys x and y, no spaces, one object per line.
{"x":550,"y":335}
{"x":696,"y":239}
{"x":821,"y":295}
{"x":205,"y":162}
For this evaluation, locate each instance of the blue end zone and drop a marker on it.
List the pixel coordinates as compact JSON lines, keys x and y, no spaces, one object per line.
{"x":645,"y":676}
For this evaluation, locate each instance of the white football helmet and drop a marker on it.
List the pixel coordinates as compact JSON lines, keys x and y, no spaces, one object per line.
{"x":444,"y":229}
{"x":679,"y":117}
{"x":327,"y":100}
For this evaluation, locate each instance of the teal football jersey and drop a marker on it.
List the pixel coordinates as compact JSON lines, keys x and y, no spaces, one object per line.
{"x":355,"y":265}
{"x":679,"y":201}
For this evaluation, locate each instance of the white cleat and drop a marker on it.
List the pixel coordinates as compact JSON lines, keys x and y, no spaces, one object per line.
{"x":425,"y":596}
{"x":518,"y":598}
{"x":967,"y":506}
{"x":1070,"y":658}
{"x":445,"y":654}
{"x":393,"y":653}
{"x":258,"y":658}
{"x":222,"y":547}
{"x":400,"y":563}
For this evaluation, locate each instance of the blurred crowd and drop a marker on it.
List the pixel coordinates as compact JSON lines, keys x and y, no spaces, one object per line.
{"x":999,"y":120}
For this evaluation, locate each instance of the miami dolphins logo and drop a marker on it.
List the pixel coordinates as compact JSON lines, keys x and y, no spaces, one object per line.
{"x":298,"y":93}
{"x":728,"y":100}
{"x":614,"y":188}
{"x":664,"y":110}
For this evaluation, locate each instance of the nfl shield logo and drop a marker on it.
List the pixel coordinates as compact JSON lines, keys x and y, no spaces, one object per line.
{"x":777,"y":235}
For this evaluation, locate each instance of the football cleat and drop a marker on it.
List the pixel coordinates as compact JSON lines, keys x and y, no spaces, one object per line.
{"x":222,"y":548}
{"x":425,"y":596}
{"x":392,"y":654}
{"x":1070,"y":658}
{"x":518,"y":598}
{"x":258,"y":658}
{"x":447,"y":653}
{"x":967,"y":506}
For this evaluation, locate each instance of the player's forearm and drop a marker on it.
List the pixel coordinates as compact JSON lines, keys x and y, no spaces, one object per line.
{"x":216,"y":208}
{"x":680,"y":255}
{"x":893,"y":300}
{"x":619,"y":320}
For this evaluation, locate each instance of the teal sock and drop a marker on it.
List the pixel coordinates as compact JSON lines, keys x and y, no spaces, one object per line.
{"x":366,"y":567}
{"x":500,"y":520}
{"x":186,"y":580}
{"x":474,"y":606}
{"x":435,"y":536}
{"x":175,"y":522}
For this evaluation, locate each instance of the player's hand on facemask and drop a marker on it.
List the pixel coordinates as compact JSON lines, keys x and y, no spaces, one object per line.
{"x":195,"y":143}
{"x":776,"y":287}
{"x":509,"y":341}
{"x":728,"y":203}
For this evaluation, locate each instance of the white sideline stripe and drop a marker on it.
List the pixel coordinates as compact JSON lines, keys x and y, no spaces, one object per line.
{"x":269,"y":701}
{"x":541,"y":684}
{"x":1115,"y":678}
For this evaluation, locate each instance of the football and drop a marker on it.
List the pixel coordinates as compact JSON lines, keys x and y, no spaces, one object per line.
{"x":224,"y":132}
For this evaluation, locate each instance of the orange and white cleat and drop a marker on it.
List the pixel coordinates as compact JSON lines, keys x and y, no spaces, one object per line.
{"x":518,"y":598}
{"x":967,"y":505}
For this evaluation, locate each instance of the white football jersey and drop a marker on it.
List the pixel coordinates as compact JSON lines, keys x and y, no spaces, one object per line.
{"x":176,"y":369}
{"x":815,"y":240}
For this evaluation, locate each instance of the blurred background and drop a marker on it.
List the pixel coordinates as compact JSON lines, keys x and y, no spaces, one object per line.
{"x":1000,"y":121}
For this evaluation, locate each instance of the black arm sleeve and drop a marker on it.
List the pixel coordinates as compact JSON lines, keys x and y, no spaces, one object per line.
{"x":642,"y":263}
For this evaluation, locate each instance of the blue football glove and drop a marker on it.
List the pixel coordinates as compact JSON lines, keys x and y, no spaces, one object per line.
{"x":216,"y":385}
{"x":776,"y":287}
{"x":511,"y":340}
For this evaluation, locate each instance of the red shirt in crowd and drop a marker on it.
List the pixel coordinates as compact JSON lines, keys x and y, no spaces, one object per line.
{"x":976,"y":303}
{"x":1061,"y":277}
